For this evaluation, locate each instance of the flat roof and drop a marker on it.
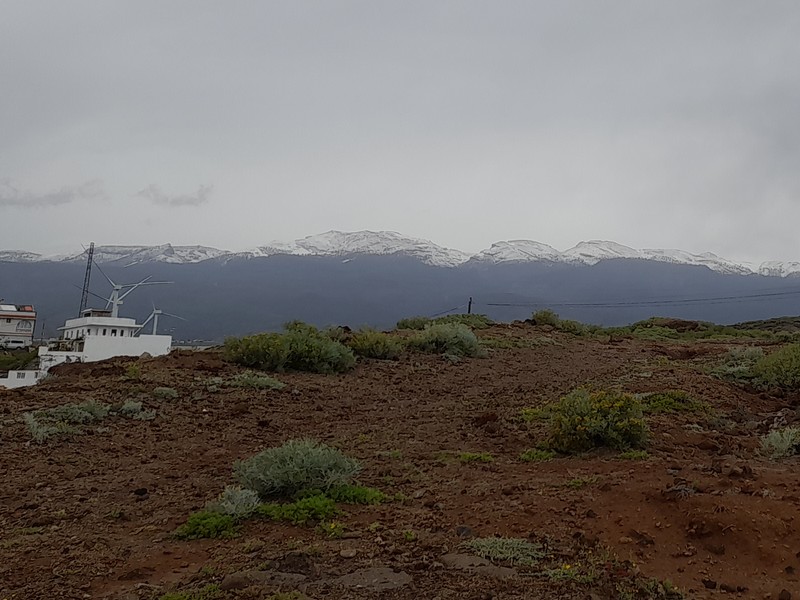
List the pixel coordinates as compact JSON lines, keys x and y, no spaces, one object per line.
{"x":17,"y":308}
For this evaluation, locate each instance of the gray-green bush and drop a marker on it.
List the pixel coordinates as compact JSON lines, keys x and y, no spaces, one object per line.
{"x":375,"y":344}
{"x":237,"y":502}
{"x":295,"y":466}
{"x":780,"y":369}
{"x":300,"y":348}
{"x":447,"y":338}
{"x":781,"y":443}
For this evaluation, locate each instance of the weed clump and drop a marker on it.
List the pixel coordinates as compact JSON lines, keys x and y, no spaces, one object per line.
{"x":545,"y":316}
{"x":583,"y":420}
{"x":165,"y":393}
{"x":295,"y":466}
{"x":780,"y":369}
{"x":375,"y":344}
{"x":207,"y":524}
{"x":255,"y":381}
{"x":473,"y":321}
{"x":416,"y":323}
{"x":470,"y":457}
{"x":310,"y":509}
{"x":537,"y":455}
{"x":514,"y":551}
{"x":447,"y":338}
{"x":209,"y":592}
{"x":134,"y":410}
{"x":356,"y":494}
{"x":670,"y":401}
{"x":300,"y":348}
{"x":781,"y":443}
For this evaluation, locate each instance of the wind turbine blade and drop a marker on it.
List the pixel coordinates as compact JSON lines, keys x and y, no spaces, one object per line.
{"x":171,"y":315}
{"x":94,"y":263}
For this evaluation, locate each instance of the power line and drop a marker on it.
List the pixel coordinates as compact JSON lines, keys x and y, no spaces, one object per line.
{"x":444,"y":312}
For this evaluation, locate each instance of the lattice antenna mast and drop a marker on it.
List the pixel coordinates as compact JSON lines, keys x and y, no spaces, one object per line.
{"x":86,"y":279}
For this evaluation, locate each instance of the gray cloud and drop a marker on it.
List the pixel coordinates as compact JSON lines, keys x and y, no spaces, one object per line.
{"x":11,"y":196}
{"x":153,"y":193}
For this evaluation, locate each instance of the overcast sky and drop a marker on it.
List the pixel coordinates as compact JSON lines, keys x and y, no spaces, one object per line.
{"x":234,"y":123}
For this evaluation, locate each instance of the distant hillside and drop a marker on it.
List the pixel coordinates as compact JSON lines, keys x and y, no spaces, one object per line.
{"x":237,"y":295}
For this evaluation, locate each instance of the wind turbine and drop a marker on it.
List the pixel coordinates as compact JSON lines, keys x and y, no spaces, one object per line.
{"x":117,"y":294}
{"x":154,"y":318}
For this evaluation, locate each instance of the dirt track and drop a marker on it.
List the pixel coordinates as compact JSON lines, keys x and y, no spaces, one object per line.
{"x":90,"y":517}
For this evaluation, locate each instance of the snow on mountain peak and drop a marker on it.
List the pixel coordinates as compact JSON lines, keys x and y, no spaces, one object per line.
{"x":593,"y":251}
{"x":518,"y":251}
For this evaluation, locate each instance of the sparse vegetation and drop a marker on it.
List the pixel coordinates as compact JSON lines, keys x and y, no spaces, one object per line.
{"x":670,"y":401}
{"x":633,"y":455}
{"x":583,"y":420}
{"x":417,"y":323}
{"x":255,"y":381}
{"x":207,"y":524}
{"x":300,"y":348}
{"x":66,"y":420}
{"x":780,"y":369}
{"x":165,"y":393}
{"x":537,"y":455}
{"x":208,"y":592}
{"x":447,"y":338}
{"x":356,"y":494}
{"x":781,"y":443}
{"x":134,"y":410}
{"x":737,"y":364}
{"x":370,"y":343}
{"x":470,"y":457}
{"x":301,"y":512}
{"x":472,"y":321}
{"x":511,"y":550}
{"x":295,"y":466}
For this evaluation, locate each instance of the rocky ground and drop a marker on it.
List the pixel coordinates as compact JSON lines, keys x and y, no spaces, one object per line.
{"x":92,"y":515}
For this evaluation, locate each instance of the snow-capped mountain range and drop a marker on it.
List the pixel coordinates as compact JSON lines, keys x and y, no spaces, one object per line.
{"x":349,"y":244}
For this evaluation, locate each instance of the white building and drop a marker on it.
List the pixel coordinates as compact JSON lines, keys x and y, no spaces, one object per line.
{"x":17,"y":323}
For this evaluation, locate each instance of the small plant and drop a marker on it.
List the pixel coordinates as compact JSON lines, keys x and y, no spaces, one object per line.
{"x":497,"y":549}
{"x":375,"y":344}
{"x":356,"y":494}
{"x":780,"y":369}
{"x":209,"y":592}
{"x":583,"y":420}
{"x":545,"y":316}
{"x":537,"y":455}
{"x":577,"y":483}
{"x":301,"y":347}
{"x":409,"y":535}
{"x":633,"y":455}
{"x":470,"y":457}
{"x":75,"y":414}
{"x":41,"y":432}
{"x":447,"y":338}
{"x":670,"y":401}
{"x":738,"y":363}
{"x":255,"y":381}
{"x":470,"y":320}
{"x":417,"y":323}
{"x":310,"y":509}
{"x":133,"y":372}
{"x":206,"y":524}
{"x":293,"y":467}
{"x":133,"y":410}
{"x":165,"y":393}
{"x":781,"y":443}
{"x":529,"y":415}
{"x":236,"y":502}
{"x":331,"y":529}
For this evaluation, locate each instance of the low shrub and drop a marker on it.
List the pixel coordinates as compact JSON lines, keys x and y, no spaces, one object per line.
{"x":511,"y":550}
{"x":295,"y":466}
{"x":472,"y":321}
{"x":207,"y":524}
{"x":41,"y":432}
{"x":670,"y":401}
{"x":237,"y":502}
{"x":583,"y":420}
{"x":356,"y":494}
{"x":255,"y":381}
{"x":781,"y":443}
{"x":165,"y":393}
{"x":311,"y":509}
{"x":447,"y":338}
{"x":780,"y":369}
{"x":468,"y":457}
{"x":75,"y":414}
{"x":300,"y":348}
{"x":134,"y":410}
{"x":375,"y":344}
{"x":417,"y":323}
{"x":738,"y":364}
{"x":545,"y":316}
{"x":537,"y":455}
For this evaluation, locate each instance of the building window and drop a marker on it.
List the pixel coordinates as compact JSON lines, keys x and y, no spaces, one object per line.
{"x":20,"y":375}
{"x":113,"y":332}
{"x":105,"y":332}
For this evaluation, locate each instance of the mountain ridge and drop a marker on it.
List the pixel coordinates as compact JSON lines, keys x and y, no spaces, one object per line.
{"x":348,"y":244}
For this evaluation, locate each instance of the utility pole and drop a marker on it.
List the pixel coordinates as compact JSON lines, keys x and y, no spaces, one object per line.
{"x":86,"y":278}
{"x":469,"y":306}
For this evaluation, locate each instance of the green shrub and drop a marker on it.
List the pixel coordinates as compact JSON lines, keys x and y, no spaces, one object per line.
{"x":537,"y":455}
{"x":670,"y":401}
{"x":468,"y":457}
{"x":583,"y":420}
{"x":781,"y":443}
{"x":293,"y":467}
{"x":780,"y":369}
{"x":236,"y":502}
{"x":165,"y":393}
{"x":134,"y":410}
{"x":447,"y":338}
{"x":76,"y":414}
{"x":470,"y":320}
{"x":310,"y":509}
{"x":375,"y":344}
{"x":300,"y":348}
{"x":209,"y":592}
{"x":41,"y":432}
{"x":417,"y":323}
{"x":207,"y":524}
{"x":738,"y":363}
{"x":256,"y":381}
{"x":497,"y":549}
{"x":545,"y":316}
